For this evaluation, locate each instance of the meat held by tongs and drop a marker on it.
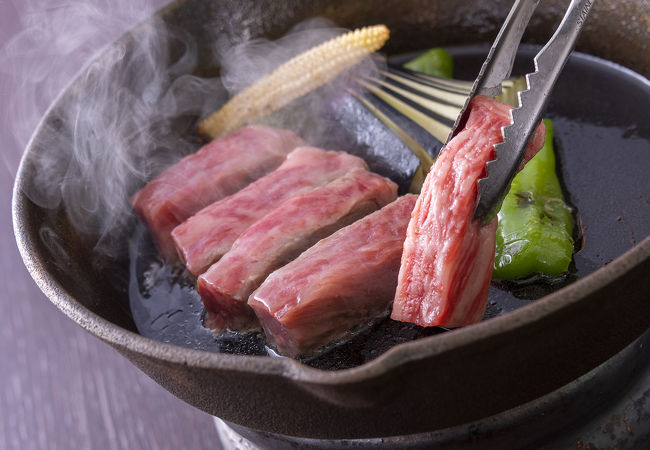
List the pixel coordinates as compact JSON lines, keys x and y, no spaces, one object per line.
{"x":449,"y":249}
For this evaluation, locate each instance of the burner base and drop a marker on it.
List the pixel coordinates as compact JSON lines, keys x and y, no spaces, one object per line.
{"x":606,"y":408}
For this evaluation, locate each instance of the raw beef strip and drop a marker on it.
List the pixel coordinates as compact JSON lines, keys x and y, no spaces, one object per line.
{"x":448,"y":258}
{"x":220,"y":168}
{"x":207,"y":236}
{"x":343,"y":281}
{"x":281,"y":236}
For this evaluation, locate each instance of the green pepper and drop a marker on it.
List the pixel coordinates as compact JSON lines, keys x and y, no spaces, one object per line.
{"x":535,"y":229}
{"x":437,"y":62}
{"x":534,"y":235}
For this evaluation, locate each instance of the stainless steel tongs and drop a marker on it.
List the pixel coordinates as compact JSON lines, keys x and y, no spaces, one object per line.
{"x":549,"y":62}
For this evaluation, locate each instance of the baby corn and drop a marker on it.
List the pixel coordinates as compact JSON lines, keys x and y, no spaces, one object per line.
{"x":295,"y":78}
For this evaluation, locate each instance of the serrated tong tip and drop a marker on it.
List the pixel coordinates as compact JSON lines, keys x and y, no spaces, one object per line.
{"x":549,"y":63}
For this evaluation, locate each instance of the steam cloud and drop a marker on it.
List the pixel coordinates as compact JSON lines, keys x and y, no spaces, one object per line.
{"x":48,"y":46}
{"x":131,"y":112}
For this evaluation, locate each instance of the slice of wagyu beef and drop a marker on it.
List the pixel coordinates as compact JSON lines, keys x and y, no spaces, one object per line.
{"x":448,"y":257}
{"x":218,"y":169}
{"x":205,"y":237}
{"x":281,"y":235}
{"x":344,"y":281}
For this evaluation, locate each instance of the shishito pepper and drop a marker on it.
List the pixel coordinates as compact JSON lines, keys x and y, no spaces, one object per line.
{"x":436,"y":61}
{"x":535,"y":229}
{"x":534,"y":235}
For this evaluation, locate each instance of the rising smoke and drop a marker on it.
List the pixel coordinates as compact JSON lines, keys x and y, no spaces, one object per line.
{"x":48,"y":44}
{"x":130,"y":112}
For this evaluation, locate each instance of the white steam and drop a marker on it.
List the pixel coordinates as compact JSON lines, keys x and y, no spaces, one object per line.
{"x":132,"y":111}
{"x":244,"y":63}
{"x":125,"y":117}
{"x":48,"y":44}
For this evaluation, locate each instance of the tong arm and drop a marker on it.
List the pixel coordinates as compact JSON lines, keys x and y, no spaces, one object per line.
{"x":498,"y":64}
{"x":549,"y":62}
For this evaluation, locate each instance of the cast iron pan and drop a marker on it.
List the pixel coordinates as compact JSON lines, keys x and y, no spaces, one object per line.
{"x":431,"y":383}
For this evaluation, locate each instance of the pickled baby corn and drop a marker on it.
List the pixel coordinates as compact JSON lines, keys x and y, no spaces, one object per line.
{"x":295,"y":78}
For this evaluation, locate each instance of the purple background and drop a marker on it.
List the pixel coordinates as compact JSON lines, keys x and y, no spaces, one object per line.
{"x":61,"y":388}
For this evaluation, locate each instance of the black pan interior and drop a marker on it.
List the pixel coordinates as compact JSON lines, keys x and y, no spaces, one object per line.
{"x":602,"y":139}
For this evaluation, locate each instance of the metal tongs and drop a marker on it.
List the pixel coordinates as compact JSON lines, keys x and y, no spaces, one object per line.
{"x":549,"y":62}
{"x":439,"y":105}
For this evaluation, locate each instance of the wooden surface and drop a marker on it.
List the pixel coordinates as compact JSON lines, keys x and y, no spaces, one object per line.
{"x":61,"y":388}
